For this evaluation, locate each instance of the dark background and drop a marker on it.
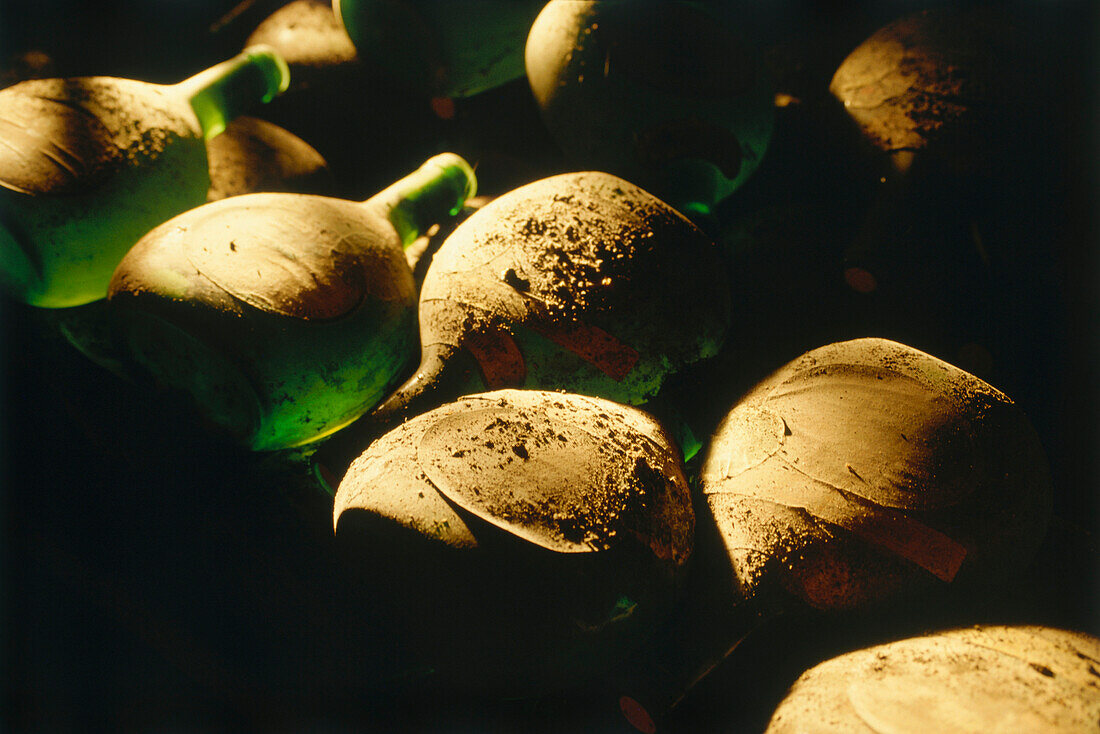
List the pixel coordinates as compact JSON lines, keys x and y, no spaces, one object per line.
{"x":156,"y":580}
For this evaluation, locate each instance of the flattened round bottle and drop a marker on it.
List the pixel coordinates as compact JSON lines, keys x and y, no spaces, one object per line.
{"x":88,"y":165}
{"x":664,"y":94}
{"x":983,"y":678}
{"x":580,"y":281}
{"x":521,"y":540}
{"x":861,"y":473}
{"x":283,"y":316}
{"x":447,"y":48}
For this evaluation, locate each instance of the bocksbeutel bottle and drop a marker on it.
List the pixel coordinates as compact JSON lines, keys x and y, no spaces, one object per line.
{"x":863,"y":472}
{"x":309,"y":36}
{"x":255,"y":156}
{"x":250,"y":156}
{"x":283,"y":316}
{"x":984,"y":678}
{"x":90,"y":164}
{"x":581,"y":281}
{"x":664,"y":94}
{"x":372,"y":124}
{"x":519,"y":540}
{"x":443,"y":48}
{"x":942,"y":99}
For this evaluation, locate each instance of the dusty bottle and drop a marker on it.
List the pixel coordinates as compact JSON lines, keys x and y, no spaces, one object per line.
{"x":520,"y":539}
{"x":580,"y":281}
{"x":949,"y":104}
{"x":251,"y":156}
{"x":90,"y":164}
{"x":308,"y":35}
{"x":862,"y":472}
{"x":445,"y":48}
{"x":283,"y":316}
{"x":984,"y":678}
{"x":254,"y":156}
{"x":663,"y":94}
{"x":373,"y":123}
{"x":940,"y":98}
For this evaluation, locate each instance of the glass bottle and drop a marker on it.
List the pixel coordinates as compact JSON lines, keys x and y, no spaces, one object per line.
{"x":944,"y":101}
{"x":859,"y":474}
{"x":90,"y":164}
{"x":580,"y":281}
{"x":250,"y":156}
{"x":283,"y":316}
{"x":664,"y":94}
{"x":445,"y":48}
{"x":940,"y":98}
{"x":989,"y":677}
{"x":556,"y":526}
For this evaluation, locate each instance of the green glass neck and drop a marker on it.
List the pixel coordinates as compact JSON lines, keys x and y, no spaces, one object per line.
{"x":427,"y":196}
{"x":226,"y":90}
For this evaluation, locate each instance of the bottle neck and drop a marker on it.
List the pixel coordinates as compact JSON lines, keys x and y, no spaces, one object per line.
{"x":427,"y":196}
{"x":224,"y":91}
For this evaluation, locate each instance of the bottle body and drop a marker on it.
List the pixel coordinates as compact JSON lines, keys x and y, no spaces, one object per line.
{"x":283,"y":317}
{"x":662,"y":94}
{"x":89,"y":165}
{"x":557,"y":528}
{"x":108,"y":166}
{"x":272,"y":350}
{"x":446,"y":48}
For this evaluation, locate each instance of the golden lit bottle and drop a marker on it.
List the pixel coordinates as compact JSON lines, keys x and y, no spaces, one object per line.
{"x":862,"y":473}
{"x":580,"y":281}
{"x":978,"y":678}
{"x":939,"y":97}
{"x":520,"y":540}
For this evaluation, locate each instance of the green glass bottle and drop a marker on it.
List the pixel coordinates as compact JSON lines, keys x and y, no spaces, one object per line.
{"x":90,"y":164}
{"x":861,"y":473}
{"x":443,"y":48}
{"x":250,"y":156}
{"x":580,"y":281}
{"x":664,"y":94}
{"x":372,"y":124}
{"x":283,"y":316}
{"x":521,"y":540}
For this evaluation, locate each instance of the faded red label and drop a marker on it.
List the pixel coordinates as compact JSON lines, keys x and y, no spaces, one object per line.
{"x":499,"y":358}
{"x":594,"y":345}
